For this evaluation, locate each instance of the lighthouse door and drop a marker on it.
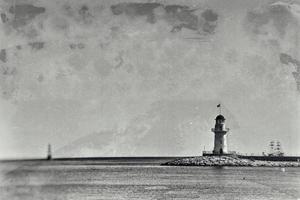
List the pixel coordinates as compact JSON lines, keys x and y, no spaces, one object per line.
{"x":221,"y":151}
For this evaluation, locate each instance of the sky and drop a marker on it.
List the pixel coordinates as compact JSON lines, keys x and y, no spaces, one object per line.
{"x":143,"y":78}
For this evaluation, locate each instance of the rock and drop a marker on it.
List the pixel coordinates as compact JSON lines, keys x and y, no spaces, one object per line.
{"x":228,"y":161}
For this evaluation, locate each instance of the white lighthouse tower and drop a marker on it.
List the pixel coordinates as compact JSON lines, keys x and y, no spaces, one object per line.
{"x":220,"y":145}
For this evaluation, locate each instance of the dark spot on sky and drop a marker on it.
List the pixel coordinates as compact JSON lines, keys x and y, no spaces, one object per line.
{"x":68,"y":10}
{"x":40,"y":78}
{"x":184,"y":15}
{"x":257,"y":18}
{"x":8,"y":90}
{"x":4,"y":17}
{"x":5,"y":95}
{"x":23,"y":13}
{"x":279,"y":15}
{"x":72,"y":46}
{"x":175,"y":8}
{"x":177,"y":15}
{"x":209,"y":28}
{"x":281,"y":18}
{"x":30,"y":32}
{"x":210,"y":23}
{"x":287,"y":59}
{"x":117,"y":9}
{"x":8,"y":71}
{"x":136,"y":9}
{"x":77,"y":46}
{"x":36,"y":45}
{"x":3,"y":57}
{"x":209,"y":15}
{"x":83,"y":10}
{"x":85,"y":15}
{"x":19,"y":47}
{"x":278,"y":9}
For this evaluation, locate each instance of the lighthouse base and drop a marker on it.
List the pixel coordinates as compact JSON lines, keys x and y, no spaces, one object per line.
{"x":211,"y":153}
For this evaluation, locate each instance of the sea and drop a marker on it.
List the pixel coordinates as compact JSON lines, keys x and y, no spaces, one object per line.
{"x":142,"y":178}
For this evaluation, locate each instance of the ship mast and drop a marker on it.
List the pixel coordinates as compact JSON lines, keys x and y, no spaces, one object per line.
{"x":271,"y":148}
{"x":275,"y":149}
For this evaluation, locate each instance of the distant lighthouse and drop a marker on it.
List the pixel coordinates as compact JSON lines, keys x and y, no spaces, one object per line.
{"x":220,"y":144}
{"x":49,"y":154}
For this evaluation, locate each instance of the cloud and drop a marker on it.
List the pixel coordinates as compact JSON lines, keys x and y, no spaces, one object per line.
{"x":95,"y":144}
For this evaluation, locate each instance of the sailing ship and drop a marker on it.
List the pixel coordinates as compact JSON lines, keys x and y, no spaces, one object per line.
{"x":275,"y":149}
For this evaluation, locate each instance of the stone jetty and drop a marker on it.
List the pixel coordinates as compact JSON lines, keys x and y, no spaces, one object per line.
{"x":228,"y":161}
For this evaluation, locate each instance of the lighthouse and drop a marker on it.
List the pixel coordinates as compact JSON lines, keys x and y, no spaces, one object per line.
{"x":220,"y":131}
{"x":49,"y":154}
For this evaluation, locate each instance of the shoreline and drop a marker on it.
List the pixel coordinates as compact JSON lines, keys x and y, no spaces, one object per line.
{"x":216,"y":160}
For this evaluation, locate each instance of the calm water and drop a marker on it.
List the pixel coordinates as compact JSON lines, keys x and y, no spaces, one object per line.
{"x":85,"y":180}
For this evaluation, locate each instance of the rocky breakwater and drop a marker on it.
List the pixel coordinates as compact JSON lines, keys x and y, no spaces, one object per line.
{"x":227,"y":161}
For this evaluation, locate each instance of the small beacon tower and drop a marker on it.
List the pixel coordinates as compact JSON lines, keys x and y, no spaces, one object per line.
{"x":49,"y":154}
{"x":220,"y":145}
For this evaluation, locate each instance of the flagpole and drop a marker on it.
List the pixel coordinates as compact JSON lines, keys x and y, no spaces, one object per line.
{"x":220,"y":108}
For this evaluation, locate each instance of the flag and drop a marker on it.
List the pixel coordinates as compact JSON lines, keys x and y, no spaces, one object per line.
{"x":219,"y":105}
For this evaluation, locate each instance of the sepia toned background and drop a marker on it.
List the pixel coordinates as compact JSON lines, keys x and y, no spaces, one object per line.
{"x":143,"y":78}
